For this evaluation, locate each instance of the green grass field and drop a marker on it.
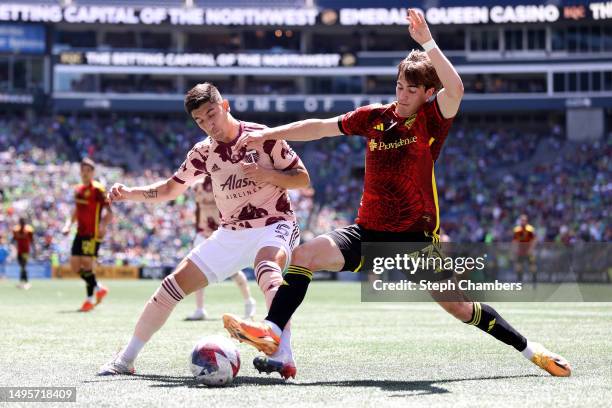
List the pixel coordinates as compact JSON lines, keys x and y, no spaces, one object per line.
{"x":348,"y":353}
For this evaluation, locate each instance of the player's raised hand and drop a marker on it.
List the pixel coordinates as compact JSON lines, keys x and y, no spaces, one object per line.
{"x":418,"y":28}
{"x":255,"y":172}
{"x":118,"y":192}
{"x":250,"y":139}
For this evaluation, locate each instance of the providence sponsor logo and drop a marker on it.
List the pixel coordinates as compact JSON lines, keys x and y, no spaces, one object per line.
{"x":380,"y":145}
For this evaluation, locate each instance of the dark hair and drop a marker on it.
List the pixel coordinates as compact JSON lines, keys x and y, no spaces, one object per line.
{"x":201,"y":94}
{"x":88,"y":162}
{"x":417,"y":69}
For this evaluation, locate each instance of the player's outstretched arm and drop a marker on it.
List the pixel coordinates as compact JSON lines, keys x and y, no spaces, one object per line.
{"x":449,"y":98}
{"x":68,"y":224}
{"x":301,"y":131}
{"x":107,"y":218}
{"x":165,"y":190}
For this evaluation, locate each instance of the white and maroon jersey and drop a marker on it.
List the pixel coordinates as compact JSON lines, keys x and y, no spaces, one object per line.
{"x":206,"y":214}
{"x":242,"y":203}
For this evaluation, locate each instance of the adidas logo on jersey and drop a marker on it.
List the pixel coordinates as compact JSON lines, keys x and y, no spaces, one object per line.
{"x":379,"y":127}
{"x":215,"y":168}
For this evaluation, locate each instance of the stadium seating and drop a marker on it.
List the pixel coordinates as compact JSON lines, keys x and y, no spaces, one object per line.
{"x":485,"y":180}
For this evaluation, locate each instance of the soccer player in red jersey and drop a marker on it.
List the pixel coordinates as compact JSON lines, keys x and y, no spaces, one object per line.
{"x":23,"y":236}
{"x":92,"y":214}
{"x":399,"y":202}
{"x":524,"y":239}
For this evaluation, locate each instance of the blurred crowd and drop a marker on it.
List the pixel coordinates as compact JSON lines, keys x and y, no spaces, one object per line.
{"x":485,"y":180}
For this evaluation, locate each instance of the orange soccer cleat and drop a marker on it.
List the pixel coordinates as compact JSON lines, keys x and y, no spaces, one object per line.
{"x":100,"y":294}
{"x":257,"y":334}
{"x":87,"y":306}
{"x":553,"y":363}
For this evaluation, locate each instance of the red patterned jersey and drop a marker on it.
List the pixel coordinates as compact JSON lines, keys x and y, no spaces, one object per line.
{"x":89,"y":199}
{"x":243,"y":203}
{"x":23,"y":237}
{"x":400,"y":188}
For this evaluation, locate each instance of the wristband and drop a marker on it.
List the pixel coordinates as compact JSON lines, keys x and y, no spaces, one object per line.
{"x":429,"y":45}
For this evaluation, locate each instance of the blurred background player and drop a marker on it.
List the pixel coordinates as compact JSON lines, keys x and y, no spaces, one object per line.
{"x":4,"y":254}
{"x":207,"y":222}
{"x":92,"y":214}
{"x":399,"y":203}
{"x":524,"y":241}
{"x":23,"y":237}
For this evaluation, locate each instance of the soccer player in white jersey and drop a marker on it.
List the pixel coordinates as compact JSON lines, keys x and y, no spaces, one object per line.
{"x":258,"y":226}
{"x":207,"y":221}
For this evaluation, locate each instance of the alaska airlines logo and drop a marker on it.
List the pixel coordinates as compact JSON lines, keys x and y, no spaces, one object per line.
{"x":233,"y":183}
{"x":374,"y":145}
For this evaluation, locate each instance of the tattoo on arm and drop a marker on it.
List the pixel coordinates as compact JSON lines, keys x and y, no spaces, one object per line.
{"x":149,"y":194}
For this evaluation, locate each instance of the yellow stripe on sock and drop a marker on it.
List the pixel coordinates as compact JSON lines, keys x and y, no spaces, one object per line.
{"x":300,"y":273}
{"x":293,"y":268}
{"x":299,"y":267}
{"x":479,"y":313}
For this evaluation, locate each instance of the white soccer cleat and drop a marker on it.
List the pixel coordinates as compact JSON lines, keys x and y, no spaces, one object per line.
{"x":250,"y":308}
{"x":198,"y":314}
{"x":116,"y":367}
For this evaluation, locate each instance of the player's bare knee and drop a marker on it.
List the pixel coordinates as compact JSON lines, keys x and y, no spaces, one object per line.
{"x":271,"y":254}
{"x":189,"y":277}
{"x":303,"y":256}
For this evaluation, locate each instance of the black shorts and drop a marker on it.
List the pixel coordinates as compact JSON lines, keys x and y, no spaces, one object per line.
{"x":349,"y":240}
{"x":85,"y":246}
{"x":22,"y":259}
{"x":526,"y":258}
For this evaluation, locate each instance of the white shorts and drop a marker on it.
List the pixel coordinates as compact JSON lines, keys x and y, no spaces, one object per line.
{"x":225,"y":252}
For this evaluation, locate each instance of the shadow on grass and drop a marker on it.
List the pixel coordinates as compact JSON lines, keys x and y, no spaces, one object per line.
{"x":424,"y":387}
{"x":208,"y":319}
{"x":68,"y":311}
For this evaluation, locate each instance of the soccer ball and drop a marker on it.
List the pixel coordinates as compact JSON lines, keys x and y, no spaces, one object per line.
{"x":215,"y":361}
